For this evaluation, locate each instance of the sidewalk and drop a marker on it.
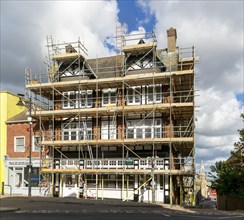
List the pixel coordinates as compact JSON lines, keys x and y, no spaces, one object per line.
{"x":8,"y":209}
{"x":202,"y":211}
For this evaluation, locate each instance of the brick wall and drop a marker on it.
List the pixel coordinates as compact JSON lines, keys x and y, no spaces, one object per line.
{"x":19,"y":129}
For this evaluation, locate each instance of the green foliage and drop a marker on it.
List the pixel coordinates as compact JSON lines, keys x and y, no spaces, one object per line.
{"x":228,"y":177}
{"x":240,"y":144}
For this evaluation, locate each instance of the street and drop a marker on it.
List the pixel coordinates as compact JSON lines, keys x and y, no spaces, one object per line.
{"x":71,"y":208}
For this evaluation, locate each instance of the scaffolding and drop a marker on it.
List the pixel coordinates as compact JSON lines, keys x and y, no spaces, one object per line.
{"x":119,"y":121}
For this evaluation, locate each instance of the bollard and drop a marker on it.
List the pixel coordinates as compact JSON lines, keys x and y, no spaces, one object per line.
{"x":2,"y":188}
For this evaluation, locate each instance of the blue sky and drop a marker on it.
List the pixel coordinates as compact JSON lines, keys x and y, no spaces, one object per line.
{"x":134,"y":16}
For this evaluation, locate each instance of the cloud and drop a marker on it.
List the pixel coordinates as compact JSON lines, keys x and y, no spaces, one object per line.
{"x":218,"y":38}
{"x":216,"y":28}
{"x":26,"y":24}
{"x":219,"y":113}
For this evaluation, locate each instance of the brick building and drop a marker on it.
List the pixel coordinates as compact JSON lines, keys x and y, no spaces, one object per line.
{"x":17,"y":158}
{"x":120,"y":126}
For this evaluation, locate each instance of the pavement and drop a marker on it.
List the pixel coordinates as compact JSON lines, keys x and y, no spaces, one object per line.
{"x":17,"y":203}
{"x":8,"y":209}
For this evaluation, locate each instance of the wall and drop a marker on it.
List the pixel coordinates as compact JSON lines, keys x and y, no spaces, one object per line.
{"x":19,"y":129}
{"x":229,"y":203}
{"x":8,"y":109}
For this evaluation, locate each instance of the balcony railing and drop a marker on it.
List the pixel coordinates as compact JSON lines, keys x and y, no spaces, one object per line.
{"x":130,"y":133}
{"x":66,"y":102}
{"x":186,"y":164}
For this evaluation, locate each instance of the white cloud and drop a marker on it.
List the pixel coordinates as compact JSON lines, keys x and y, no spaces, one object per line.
{"x":219,"y":113}
{"x":25,"y":25}
{"x":219,"y":41}
{"x":134,"y":36}
{"x":216,"y":28}
{"x":70,"y":20}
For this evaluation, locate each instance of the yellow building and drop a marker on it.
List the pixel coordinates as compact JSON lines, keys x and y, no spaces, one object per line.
{"x":8,"y":109}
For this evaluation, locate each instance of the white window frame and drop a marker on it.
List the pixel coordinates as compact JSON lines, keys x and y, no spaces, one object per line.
{"x":86,"y":101}
{"x":155,"y":99}
{"x":78,"y":131}
{"x":139,"y":129}
{"x":108,"y":129}
{"x":86,"y":133}
{"x":70,"y":102}
{"x":146,"y":64}
{"x":67,"y":127}
{"x":35,"y":148}
{"x":15,"y":144}
{"x":134,"y":95}
{"x":110,"y":101}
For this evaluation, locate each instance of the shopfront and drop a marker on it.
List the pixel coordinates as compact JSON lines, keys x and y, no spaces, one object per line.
{"x":17,"y":176}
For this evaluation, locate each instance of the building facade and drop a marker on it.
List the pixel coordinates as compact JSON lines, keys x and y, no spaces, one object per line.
{"x":118,"y":127}
{"x":18,"y":152}
{"x":8,"y":109}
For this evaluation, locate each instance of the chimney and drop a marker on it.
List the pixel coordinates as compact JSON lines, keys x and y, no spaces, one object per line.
{"x":172,"y":36}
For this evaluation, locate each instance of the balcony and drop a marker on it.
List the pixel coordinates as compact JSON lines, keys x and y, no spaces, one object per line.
{"x":118,"y":165}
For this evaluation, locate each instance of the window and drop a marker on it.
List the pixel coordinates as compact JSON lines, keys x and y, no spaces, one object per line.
{"x":70,"y":180}
{"x":77,"y":130}
{"x":85,"y":99}
{"x":69,"y":100}
{"x":108,"y":128}
{"x":36,"y":143}
{"x":109,"y":97}
{"x":75,"y":99}
{"x":144,"y":129}
{"x":134,"y":95}
{"x":19,"y":144}
{"x":70,"y":131}
{"x":141,"y":64}
{"x":86,"y":130}
{"x":154,"y":93}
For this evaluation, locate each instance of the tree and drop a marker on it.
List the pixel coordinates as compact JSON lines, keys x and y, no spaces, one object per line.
{"x":237,"y":154}
{"x":228,"y":177}
{"x":240,"y":144}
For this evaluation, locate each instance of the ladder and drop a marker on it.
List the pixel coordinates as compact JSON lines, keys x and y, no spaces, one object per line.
{"x":118,"y":48}
{"x":89,"y":148}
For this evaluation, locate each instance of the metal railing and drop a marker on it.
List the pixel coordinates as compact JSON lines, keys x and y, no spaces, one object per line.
{"x":186,"y":164}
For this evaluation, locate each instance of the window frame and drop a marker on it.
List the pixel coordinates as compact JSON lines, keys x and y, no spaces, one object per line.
{"x":34,"y":147}
{"x":108,"y":129}
{"x":15,"y":144}
{"x":109,"y":92}
{"x":135,"y":130}
{"x":70,"y":103}
{"x":87,"y":99}
{"x":78,"y":131}
{"x":76,"y":102}
{"x":134,"y":95}
{"x":154,"y":94}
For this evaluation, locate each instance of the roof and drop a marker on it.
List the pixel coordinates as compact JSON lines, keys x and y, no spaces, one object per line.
{"x":106,"y":66}
{"x":20,"y":118}
{"x":10,"y":93}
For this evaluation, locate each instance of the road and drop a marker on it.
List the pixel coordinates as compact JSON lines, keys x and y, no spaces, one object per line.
{"x":71,"y":208}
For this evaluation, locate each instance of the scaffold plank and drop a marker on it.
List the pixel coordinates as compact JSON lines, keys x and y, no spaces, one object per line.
{"x":133,"y":80}
{"x":106,"y":142}
{"x":117,"y":171}
{"x":110,"y":110}
{"x":67,"y":56}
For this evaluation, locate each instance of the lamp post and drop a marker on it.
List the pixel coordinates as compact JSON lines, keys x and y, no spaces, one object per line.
{"x":28,"y":105}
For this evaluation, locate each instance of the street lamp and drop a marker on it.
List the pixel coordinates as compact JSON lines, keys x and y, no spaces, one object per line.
{"x":28,"y":104}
